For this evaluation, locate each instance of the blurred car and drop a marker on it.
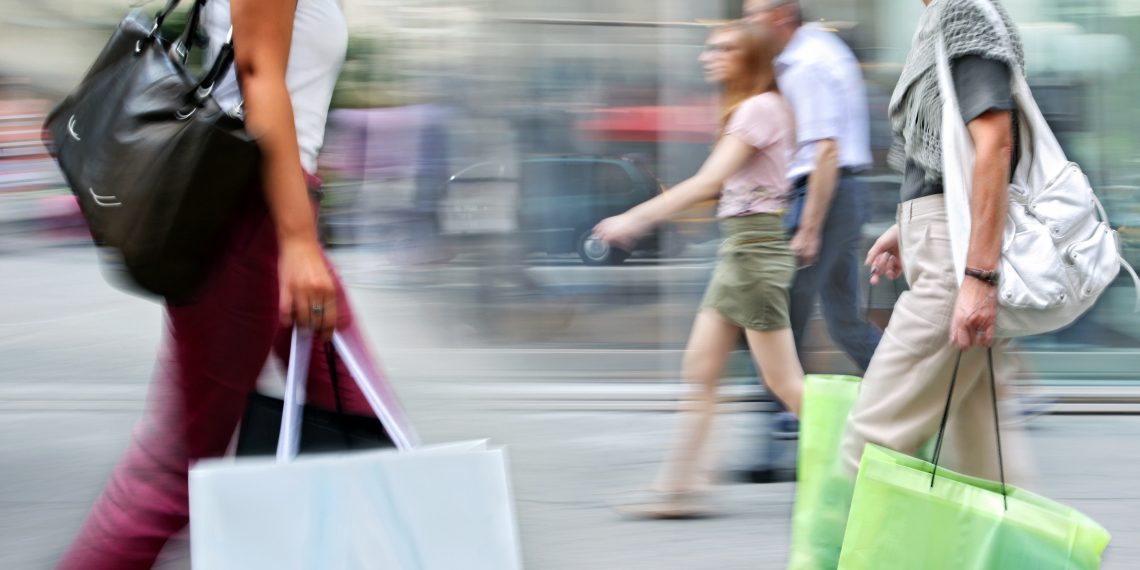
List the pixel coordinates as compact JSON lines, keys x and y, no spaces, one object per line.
{"x":553,"y":204}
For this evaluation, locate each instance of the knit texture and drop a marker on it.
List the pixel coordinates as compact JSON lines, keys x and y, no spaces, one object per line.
{"x":916,"y":105}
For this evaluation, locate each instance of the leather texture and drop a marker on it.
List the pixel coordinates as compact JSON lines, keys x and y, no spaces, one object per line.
{"x":1059,"y":253}
{"x":321,"y":430}
{"x":157,"y":166}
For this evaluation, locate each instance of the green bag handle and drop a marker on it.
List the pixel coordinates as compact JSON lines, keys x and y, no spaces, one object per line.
{"x":997,"y":425}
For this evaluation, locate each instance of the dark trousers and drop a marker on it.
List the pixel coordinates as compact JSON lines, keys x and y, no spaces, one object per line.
{"x":213,"y":354}
{"x":834,"y":279}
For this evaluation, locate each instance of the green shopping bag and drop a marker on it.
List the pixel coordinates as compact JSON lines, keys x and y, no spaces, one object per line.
{"x":899,"y":521}
{"x":909,"y":513}
{"x":823,"y":490}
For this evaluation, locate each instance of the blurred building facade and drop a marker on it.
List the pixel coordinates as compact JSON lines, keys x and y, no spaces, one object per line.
{"x":433,"y":87}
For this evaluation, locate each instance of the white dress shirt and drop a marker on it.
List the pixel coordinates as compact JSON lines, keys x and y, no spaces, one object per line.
{"x":820,"y":77}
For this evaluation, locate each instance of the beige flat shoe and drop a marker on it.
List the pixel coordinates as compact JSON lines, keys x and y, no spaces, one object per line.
{"x":658,"y":505}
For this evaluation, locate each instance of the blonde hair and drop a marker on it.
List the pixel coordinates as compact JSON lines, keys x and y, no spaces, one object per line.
{"x":758,"y":45}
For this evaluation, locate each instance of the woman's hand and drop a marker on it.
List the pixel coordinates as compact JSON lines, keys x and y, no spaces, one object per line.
{"x":623,"y":230}
{"x":883,"y":258}
{"x":308,"y":292}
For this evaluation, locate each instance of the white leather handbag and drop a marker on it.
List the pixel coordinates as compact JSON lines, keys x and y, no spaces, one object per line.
{"x":1059,"y":252}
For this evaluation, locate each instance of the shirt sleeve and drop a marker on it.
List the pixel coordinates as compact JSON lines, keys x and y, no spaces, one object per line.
{"x":816,"y":99}
{"x":757,"y":122}
{"x":982,"y":85}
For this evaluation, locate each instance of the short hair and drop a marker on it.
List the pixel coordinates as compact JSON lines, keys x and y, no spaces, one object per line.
{"x":773,"y":4}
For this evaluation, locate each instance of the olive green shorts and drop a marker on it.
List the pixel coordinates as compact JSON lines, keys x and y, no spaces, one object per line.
{"x":753,"y":273}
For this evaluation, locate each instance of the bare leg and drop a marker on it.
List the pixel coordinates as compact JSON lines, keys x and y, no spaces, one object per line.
{"x":775,"y":354}
{"x":712,"y":340}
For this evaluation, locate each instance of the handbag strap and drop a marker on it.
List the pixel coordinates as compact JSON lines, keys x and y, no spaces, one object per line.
{"x":159,"y":18}
{"x":379,"y":395}
{"x":180,"y":48}
{"x":185,"y":42}
{"x":997,"y":424}
{"x":334,"y":380}
{"x":334,"y":376}
{"x":300,"y":349}
{"x":382,"y":401}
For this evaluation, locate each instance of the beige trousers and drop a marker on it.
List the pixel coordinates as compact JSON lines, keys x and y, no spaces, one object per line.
{"x":904,"y":390}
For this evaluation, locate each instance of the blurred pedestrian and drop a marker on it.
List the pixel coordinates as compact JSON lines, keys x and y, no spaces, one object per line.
{"x":749,"y":288}
{"x":271,"y":275}
{"x":820,"y":78}
{"x":905,"y":388}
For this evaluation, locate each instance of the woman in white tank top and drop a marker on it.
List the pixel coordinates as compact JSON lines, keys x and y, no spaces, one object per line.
{"x":272,"y":274}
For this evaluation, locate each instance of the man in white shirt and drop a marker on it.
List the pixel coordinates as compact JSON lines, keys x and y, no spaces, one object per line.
{"x":820,"y":78}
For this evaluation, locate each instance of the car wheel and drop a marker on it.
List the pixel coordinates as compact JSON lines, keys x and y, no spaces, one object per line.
{"x":594,"y":251}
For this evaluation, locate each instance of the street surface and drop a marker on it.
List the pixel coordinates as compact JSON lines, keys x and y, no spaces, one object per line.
{"x":76,"y":357}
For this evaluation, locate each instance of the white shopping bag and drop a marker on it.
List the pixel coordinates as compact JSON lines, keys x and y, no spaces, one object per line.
{"x":443,"y":507}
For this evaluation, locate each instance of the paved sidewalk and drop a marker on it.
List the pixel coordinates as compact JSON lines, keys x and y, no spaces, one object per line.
{"x":75,"y":357}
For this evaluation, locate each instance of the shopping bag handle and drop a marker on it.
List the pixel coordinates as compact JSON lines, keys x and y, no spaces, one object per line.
{"x":381,"y":399}
{"x":997,"y":424}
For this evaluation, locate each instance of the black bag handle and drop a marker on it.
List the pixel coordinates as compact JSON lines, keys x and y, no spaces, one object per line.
{"x":330,"y":360}
{"x":179,"y":50}
{"x":167,"y":10}
{"x":185,"y":42}
{"x":997,"y":425}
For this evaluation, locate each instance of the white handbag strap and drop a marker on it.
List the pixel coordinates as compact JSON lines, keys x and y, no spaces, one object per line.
{"x":1123,"y":262}
{"x":1038,"y":145}
{"x":957,"y":163}
{"x":1045,"y":142}
{"x":300,"y":349}
{"x":380,"y":397}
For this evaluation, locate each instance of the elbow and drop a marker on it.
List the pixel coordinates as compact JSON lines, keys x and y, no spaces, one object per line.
{"x":707,"y":187}
{"x":255,"y":76}
{"x":248,"y":75}
{"x":993,"y":137}
{"x":1005,"y":150}
{"x":998,"y":154}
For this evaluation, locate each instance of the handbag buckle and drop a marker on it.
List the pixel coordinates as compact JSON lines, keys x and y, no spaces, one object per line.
{"x":182,"y":115}
{"x":204,"y":91}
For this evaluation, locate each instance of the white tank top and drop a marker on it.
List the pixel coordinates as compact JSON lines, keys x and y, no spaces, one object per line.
{"x":320,"y":37}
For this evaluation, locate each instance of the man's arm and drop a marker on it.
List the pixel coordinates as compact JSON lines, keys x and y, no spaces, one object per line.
{"x":817,"y":202}
{"x":975,"y":312}
{"x":817,"y":99}
{"x":993,"y":145}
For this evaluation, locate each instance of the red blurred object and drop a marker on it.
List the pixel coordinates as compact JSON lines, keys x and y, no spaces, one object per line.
{"x":679,"y":123}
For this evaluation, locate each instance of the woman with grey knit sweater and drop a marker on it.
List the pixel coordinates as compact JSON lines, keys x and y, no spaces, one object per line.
{"x":904,"y":390}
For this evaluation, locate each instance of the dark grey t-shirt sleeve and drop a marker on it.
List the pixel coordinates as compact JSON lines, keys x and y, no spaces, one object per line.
{"x":982,"y":85}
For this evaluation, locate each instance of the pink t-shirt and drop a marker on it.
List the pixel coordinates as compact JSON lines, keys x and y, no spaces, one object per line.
{"x":761,"y":186}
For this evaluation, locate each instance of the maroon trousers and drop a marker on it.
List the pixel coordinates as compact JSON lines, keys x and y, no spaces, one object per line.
{"x":214,"y":352}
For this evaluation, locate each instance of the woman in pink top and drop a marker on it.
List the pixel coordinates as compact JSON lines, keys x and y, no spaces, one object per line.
{"x":749,"y":288}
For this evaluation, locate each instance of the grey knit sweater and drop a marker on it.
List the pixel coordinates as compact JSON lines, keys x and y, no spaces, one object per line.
{"x":916,"y":105}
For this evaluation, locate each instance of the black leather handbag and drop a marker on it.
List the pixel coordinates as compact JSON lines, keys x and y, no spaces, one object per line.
{"x":156,"y":164}
{"x":322,"y":431}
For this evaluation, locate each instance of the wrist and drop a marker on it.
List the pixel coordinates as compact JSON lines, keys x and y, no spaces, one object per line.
{"x":987,"y":276}
{"x":642,"y":218}
{"x":808,"y":228}
{"x":298,"y":241}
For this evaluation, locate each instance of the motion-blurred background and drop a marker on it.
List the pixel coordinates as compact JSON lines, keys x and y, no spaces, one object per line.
{"x":472,"y":147}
